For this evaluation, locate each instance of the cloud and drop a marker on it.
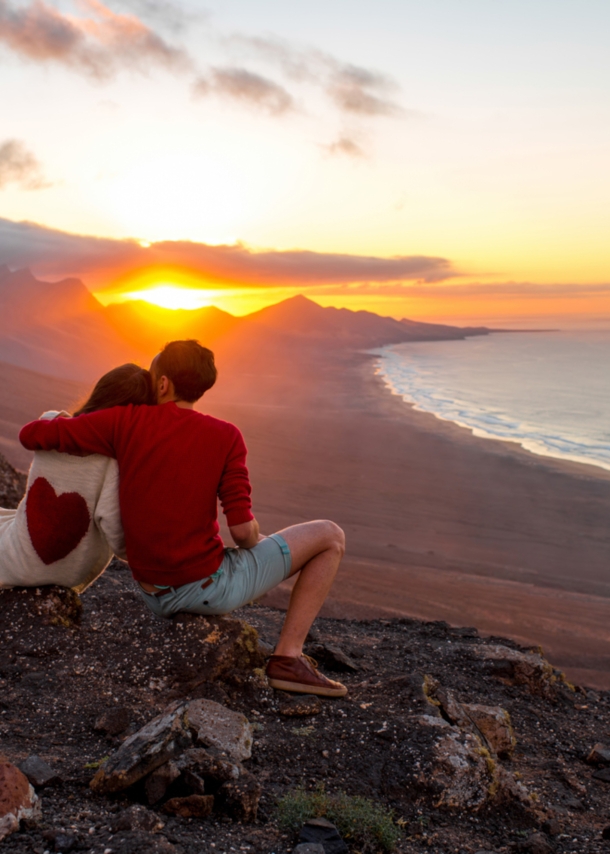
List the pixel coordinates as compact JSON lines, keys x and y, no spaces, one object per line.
{"x":97,"y":45}
{"x":18,"y":165}
{"x":345,"y":145}
{"x":172,"y":16}
{"x":352,"y":88}
{"x":247,"y":87}
{"x":100,"y":260}
{"x":442,"y":289}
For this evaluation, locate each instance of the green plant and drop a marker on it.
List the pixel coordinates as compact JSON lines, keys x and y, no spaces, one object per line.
{"x":367,"y":824}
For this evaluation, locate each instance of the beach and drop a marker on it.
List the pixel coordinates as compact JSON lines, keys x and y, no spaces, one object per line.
{"x":440,"y":525}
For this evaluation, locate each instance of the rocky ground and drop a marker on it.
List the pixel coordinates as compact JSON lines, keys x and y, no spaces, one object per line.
{"x":475,"y":744}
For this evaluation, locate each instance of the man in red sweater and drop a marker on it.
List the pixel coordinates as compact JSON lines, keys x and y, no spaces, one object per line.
{"x":174,"y":465}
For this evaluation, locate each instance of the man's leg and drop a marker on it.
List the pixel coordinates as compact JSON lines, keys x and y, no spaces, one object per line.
{"x":316,"y":549}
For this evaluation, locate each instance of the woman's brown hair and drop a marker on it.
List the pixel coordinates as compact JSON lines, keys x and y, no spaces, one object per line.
{"x":120,"y":387}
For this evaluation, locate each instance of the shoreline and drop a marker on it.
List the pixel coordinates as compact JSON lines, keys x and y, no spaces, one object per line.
{"x":541,"y":441}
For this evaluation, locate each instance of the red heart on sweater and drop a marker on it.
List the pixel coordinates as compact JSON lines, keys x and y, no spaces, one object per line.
{"x":57,"y":523}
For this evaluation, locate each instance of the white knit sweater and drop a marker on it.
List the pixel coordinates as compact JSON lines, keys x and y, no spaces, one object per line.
{"x":67,"y":526}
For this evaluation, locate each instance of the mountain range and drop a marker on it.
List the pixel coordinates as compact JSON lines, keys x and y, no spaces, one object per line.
{"x":61,"y":329}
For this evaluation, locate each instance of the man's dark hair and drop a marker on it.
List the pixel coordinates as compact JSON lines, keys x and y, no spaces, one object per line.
{"x":119,"y":387}
{"x":189,"y":366}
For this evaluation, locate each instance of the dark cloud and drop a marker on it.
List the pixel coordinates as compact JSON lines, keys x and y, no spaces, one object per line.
{"x":247,"y":87}
{"x":97,"y":45}
{"x":19,"y":166}
{"x":347,"y":146}
{"x":99,"y":260}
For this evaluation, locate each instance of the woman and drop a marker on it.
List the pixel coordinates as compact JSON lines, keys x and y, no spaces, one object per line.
{"x":68,"y":525}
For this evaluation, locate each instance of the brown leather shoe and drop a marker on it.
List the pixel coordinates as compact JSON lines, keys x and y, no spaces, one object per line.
{"x":301,"y":676}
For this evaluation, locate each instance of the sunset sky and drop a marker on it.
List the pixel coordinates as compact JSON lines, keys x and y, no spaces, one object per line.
{"x":446,"y":159}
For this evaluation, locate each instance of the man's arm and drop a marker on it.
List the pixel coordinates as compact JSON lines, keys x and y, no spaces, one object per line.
{"x":90,"y":434}
{"x":247,"y":535}
{"x":234,"y":492}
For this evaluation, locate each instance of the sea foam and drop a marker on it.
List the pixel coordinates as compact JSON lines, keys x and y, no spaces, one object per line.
{"x":549,"y":392}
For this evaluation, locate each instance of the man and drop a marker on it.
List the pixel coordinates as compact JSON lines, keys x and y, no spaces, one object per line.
{"x":174,"y":464}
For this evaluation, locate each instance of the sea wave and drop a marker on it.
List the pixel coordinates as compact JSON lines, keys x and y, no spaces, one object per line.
{"x":419,"y":385}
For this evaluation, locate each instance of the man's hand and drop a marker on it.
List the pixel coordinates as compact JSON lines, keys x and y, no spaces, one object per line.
{"x":247,"y":535}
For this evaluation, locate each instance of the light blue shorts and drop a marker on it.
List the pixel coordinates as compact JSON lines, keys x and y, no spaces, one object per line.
{"x":243,"y":575}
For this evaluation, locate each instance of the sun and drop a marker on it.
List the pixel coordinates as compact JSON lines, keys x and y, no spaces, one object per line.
{"x":171,"y":296}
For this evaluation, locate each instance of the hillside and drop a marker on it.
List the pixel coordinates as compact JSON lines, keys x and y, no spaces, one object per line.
{"x":476,"y":745}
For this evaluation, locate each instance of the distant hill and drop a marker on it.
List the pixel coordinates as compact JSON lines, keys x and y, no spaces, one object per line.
{"x":59,"y":328}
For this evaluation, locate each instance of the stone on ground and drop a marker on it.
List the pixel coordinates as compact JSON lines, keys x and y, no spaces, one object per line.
{"x":191,"y":806}
{"x":319,"y":831}
{"x":300,"y":705}
{"x":18,"y":801}
{"x":216,"y":726}
{"x":162,"y":739}
{"x":38,"y":772}
{"x":51,"y":606}
{"x":516,"y":667}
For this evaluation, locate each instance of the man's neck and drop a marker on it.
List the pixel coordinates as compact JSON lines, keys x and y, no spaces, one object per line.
{"x":183,"y":404}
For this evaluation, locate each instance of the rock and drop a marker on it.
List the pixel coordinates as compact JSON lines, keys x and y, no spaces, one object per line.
{"x":494,"y":723}
{"x":162,"y":739}
{"x":516,"y":667}
{"x":52,"y":606}
{"x":599,"y":755}
{"x":265,"y":649}
{"x":236,"y":791}
{"x":319,"y":831}
{"x":18,"y":801}
{"x":606,"y":832}
{"x":333,"y":658}
{"x":300,"y":705}
{"x":215,"y":725}
{"x":551,"y":827}
{"x":113,"y":722}
{"x":158,"y":782}
{"x":537,"y":843}
{"x":308,"y":848}
{"x":192,"y":806}
{"x":603,"y":774}
{"x":222,"y":645}
{"x":137,"y":817}
{"x":38,"y":772}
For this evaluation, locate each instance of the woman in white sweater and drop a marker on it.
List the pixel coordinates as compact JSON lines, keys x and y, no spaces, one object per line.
{"x":68,"y":525}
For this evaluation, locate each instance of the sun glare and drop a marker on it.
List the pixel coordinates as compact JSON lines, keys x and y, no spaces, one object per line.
{"x":171,"y":296}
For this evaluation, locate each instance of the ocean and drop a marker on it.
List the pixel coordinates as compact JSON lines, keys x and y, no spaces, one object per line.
{"x":548,"y":391}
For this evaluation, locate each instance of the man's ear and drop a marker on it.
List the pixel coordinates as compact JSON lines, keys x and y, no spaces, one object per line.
{"x":163,"y":387}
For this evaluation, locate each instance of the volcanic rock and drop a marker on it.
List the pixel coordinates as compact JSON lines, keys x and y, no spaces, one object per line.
{"x":300,"y":705}
{"x":215,"y":725}
{"x":321,"y":832}
{"x":600,"y":755}
{"x":18,"y":800}
{"x":52,"y":606}
{"x":165,"y":737}
{"x":516,"y":667}
{"x":38,"y":772}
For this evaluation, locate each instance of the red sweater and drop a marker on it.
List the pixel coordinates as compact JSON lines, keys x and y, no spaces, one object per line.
{"x":173,"y":465}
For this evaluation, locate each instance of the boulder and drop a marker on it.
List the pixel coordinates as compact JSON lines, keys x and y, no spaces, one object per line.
{"x":214,"y":725}
{"x":162,"y":739}
{"x":494,"y":724}
{"x":515,"y":667}
{"x":240,"y":798}
{"x":52,"y":606}
{"x":113,"y":721}
{"x":18,"y":800}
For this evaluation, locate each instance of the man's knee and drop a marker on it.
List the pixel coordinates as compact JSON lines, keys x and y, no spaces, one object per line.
{"x":334,"y":536}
